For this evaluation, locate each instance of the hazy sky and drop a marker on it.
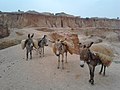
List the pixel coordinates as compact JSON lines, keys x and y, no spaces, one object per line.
{"x":83,"y":8}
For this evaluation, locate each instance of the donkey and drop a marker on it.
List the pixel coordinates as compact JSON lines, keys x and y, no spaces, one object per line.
{"x":41,"y":43}
{"x":60,"y":48}
{"x":91,"y":59}
{"x":29,"y":46}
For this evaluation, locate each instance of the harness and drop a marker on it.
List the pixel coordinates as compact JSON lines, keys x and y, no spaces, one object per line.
{"x":89,"y":57}
{"x":92,"y":57}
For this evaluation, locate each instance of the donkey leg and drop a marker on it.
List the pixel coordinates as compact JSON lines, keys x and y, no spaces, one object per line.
{"x":40,"y":50}
{"x":58,"y":62}
{"x":31,"y":54}
{"x":37,"y":51}
{"x":101,"y":69}
{"x":66,"y":57}
{"x":92,"y":76}
{"x":62,"y":62}
{"x":92,"y":69}
{"x":90,"y":73}
{"x":43,"y":51}
{"x":104,"y":70}
{"x":27,"y":55}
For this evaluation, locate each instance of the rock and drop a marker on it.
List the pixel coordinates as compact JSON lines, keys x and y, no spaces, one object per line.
{"x":63,"y":14}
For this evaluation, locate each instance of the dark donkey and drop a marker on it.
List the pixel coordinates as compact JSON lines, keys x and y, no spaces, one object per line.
{"x":91,"y":59}
{"x":41,"y":43}
{"x":29,"y":46}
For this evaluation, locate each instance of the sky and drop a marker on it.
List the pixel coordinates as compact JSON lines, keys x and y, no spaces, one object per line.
{"x":83,"y":8}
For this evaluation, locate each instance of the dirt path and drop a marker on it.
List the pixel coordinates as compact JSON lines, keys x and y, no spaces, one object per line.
{"x":42,"y":74}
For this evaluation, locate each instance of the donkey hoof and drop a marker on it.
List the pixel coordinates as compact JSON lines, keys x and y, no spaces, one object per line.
{"x":90,"y":81}
{"x":57,"y":67}
{"x":99,"y":73}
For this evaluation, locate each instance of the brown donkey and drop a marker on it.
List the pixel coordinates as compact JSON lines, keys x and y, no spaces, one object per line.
{"x":91,"y":59}
{"x":60,"y":49}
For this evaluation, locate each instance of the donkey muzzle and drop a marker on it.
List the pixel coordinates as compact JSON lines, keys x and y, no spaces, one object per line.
{"x":46,"y":45}
{"x":82,"y":66}
{"x":57,"y":54}
{"x":82,"y":63}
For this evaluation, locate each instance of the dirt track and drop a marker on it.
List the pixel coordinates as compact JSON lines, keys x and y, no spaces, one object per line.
{"x":42,"y":74}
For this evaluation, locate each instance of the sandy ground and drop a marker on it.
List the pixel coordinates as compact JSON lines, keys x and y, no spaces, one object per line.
{"x":42,"y":74}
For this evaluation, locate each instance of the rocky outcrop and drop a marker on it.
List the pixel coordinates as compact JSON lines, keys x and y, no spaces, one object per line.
{"x":4,"y":32}
{"x":20,"y":20}
{"x":64,"y":14}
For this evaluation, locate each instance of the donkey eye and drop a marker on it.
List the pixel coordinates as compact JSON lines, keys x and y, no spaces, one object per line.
{"x":84,"y":55}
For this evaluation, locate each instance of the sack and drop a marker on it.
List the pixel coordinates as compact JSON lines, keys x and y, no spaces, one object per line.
{"x":105,"y":59}
{"x":101,"y":48}
{"x":23,"y":43}
{"x":70,"y":46}
{"x":35,"y":43}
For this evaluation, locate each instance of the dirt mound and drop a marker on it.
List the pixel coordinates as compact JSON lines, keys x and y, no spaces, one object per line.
{"x":4,"y":32}
{"x":113,"y":37}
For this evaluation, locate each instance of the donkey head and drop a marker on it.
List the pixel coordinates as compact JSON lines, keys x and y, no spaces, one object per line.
{"x":84,"y":53}
{"x":58,"y":47}
{"x":29,"y":42}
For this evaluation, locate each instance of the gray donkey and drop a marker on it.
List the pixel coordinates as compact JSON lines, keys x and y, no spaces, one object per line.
{"x":41,"y":43}
{"x":29,"y":46}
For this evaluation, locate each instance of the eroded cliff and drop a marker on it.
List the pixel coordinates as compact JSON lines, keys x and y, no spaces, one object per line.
{"x":20,"y":20}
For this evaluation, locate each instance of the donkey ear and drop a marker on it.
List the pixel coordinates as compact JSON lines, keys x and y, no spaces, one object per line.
{"x":45,"y":35}
{"x":90,"y":45}
{"x":51,"y":41}
{"x":62,"y":41}
{"x":80,"y":45}
{"x":32,"y":35}
{"x":28,"y":35}
{"x":58,"y":40}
